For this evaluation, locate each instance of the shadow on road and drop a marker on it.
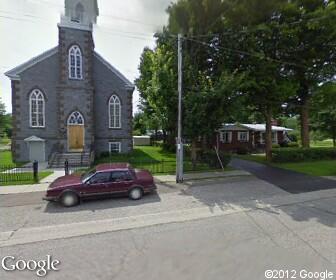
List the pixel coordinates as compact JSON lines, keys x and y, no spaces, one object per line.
{"x":251,"y":193}
{"x":102,"y":203}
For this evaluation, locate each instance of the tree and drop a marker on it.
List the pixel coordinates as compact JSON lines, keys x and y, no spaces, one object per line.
{"x":2,"y":118}
{"x":253,"y":47}
{"x":324,"y":111}
{"x":310,"y":29}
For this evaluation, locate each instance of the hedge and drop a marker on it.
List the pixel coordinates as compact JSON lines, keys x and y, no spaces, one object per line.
{"x":210,"y":157}
{"x":302,"y":154}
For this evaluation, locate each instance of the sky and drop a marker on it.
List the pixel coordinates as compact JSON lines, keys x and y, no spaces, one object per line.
{"x":124,"y":28}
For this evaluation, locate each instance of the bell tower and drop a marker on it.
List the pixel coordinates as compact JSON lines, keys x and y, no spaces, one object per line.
{"x":76,"y":87}
{"x":80,"y":14}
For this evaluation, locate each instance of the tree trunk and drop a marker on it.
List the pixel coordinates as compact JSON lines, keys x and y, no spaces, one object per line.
{"x":305,"y":139}
{"x":334,"y":137}
{"x":193,"y":153}
{"x":204,"y":143}
{"x":268,"y":135}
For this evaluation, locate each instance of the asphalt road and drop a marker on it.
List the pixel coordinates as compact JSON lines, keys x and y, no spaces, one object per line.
{"x":258,"y":227}
{"x":238,"y":246}
{"x":290,"y":181}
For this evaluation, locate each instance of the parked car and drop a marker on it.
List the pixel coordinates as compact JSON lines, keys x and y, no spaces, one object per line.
{"x":104,"y":180}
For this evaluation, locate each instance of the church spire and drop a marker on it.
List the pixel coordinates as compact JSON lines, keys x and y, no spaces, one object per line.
{"x":80,"y":14}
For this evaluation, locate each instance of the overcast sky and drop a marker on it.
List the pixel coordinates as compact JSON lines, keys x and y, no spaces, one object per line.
{"x":124,"y":28}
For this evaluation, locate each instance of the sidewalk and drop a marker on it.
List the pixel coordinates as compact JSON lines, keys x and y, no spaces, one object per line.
{"x":41,"y":187}
{"x":201,"y":176}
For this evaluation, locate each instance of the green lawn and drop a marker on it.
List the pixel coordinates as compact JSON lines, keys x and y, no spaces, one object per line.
{"x":314,"y":168}
{"x":6,"y":158}
{"x":154,"y":159}
{"x":25,"y":178}
{"x":4,"y":141}
{"x":324,"y":143}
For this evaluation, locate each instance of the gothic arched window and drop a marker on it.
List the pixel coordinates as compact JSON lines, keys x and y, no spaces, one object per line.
{"x":76,"y":118}
{"x":37,"y":109}
{"x":75,"y":63}
{"x":115,"y":112}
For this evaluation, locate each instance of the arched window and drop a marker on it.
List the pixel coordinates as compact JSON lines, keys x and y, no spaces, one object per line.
{"x":37,"y":109}
{"x":75,"y":63}
{"x":115,"y":112}
{"x":78,"y":13}
{"x":76,"y":118}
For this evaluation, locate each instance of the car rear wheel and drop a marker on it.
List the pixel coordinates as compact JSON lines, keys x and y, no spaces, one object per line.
{"x":69,"y":199}
{"x":135,"y":194}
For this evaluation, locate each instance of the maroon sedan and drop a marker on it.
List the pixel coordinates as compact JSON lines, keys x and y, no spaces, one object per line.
{"x":104,"y":180}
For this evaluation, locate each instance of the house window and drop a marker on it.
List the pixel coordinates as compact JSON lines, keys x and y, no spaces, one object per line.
{"x":37,"y":109}
{"x":243,"y":136}
{"x":274,"y":137}
{"x":115,"y":147}
{"x":115,"y":112}
{"x":226,"y":137}
{"x":75,"y":63}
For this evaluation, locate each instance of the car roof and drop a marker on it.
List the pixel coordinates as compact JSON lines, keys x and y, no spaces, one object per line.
{"x":112,"y":166}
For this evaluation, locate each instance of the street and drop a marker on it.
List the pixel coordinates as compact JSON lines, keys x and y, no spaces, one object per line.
{"x":232,"y":228}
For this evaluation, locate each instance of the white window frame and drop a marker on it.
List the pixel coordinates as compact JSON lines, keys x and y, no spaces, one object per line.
{"x":229,"y":137}
{"x":114,"y":101}
{"x":75,"y":52}
{"x":37,"y":94}
{"x":115,"y":143}
{"x":247,"y":136}
{"x":274,"y":137}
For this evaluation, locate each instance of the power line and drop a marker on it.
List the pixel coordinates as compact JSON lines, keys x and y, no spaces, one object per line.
{"x":257,"y":55}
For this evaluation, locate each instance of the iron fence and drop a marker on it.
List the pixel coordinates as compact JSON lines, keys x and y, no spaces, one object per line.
{"x":12,"y":173}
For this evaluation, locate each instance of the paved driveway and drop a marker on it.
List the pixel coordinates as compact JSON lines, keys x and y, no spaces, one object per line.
{"x":290,"y":181}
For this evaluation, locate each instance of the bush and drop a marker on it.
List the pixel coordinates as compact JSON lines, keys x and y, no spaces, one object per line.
{"x":210,"y":157}
{"x":303,"y":154}
{"x":242,"y":151}
{"x":275,"y":146}
{"x":293,"y":144}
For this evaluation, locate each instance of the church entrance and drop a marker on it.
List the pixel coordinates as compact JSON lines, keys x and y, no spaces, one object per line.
{"x":76,"y":131}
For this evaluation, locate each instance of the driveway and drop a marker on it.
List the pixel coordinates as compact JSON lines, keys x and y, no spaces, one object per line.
{"x":290,"y":181}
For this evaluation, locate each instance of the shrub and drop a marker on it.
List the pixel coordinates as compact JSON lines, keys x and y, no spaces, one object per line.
{"x":303,"y":154}
{"x":275,"y":146}
{"x":242,"y":151}
{"x":211,"y":158}
{"x":293,"y":144}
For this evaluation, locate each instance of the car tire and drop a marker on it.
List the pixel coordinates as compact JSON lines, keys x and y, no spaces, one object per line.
{"x":135,"y":193}
{"x":69,"y":199}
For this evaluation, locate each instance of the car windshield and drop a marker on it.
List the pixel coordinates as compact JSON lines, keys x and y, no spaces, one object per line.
{"x":87,"y":175}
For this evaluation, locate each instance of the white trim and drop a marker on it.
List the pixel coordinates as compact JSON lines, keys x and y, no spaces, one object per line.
{"x":113,"y":126}
{"x":247,"y":136}
{"x":14,"y":73}
{"x":229,"y":137}
{"x":115,"y":143}
{"x":128,"y":84}
{"x":38,"y":92}
{"x":275,"y":138}
{"x":76,"y":52}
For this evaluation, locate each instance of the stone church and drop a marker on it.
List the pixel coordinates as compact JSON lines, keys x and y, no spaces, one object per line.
{"x":70,"y":99}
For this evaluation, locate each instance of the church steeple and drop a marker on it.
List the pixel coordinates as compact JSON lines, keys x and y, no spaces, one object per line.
{"x":80,"y":14}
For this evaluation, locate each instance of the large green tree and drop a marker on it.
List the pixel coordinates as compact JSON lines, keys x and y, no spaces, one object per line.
{"x":324,"y":111}
{"x":311,"y":46}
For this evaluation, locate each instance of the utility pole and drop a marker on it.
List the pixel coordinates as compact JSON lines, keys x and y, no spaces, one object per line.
{"x":179,"y":142}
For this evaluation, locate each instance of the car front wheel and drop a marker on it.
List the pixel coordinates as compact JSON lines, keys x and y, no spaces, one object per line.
{"x":136,"y":194}
{"x":69,"y":199}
